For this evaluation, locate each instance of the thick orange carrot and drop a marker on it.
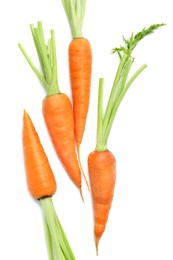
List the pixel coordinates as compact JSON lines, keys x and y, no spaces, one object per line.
{"x":57,"y":108}
{"x":40,"y":178}
{"x":57,"y":111}
{"x":42,"y":186}
{"x":80,"y":65}
{"x":102,"y":173}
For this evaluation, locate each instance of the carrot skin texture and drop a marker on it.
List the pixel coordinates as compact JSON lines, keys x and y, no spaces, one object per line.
{"x":40,"y":178}
{"x":102,"y":174}
{"x":80,"y":65}
{"x":58,"y":116}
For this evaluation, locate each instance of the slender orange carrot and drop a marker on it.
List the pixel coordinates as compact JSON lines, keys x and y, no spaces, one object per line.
{"x":40,"y":178}
{"x":57,"y":108}
{"x":80,"y":76}
{"x":101,"y":162}
{"x":102,"y":172}
{"x":80,"y":66}
{"x":42,"y":186}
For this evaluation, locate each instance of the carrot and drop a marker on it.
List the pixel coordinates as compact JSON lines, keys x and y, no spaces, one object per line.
{"x":102,"y":170}
{"x":42,"y":186}
{"x":101,"y":162}
{"x":40,"y":178}
{"x":57,"y":108}
{"x":80,"y":76}
{"x":80,"y":65}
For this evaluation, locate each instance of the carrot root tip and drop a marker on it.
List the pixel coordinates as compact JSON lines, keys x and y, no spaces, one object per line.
{"x":80,"y":190}
{"x":81,"y":168}
{"x":96,"y":245}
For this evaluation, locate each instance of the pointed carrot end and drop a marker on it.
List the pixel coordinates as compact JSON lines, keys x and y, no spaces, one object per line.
{"x":96,"y":245}
{"x":80,"y":190}
{"x":80,"y":165}
{"x":25,"y":112}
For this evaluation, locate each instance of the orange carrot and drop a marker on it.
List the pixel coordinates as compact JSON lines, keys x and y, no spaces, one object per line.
{"x":102,"y":172}
{"x":80,"y":76}
{"x":42,"y":186}
{"x":57,"y":111}
{"x":57,"y":108}
{"x":101,"y":162}
{"x":80,"y":65}
{"x":40,"y":178}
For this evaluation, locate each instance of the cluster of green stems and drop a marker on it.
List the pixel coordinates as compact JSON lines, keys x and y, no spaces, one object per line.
{"x":120,"y":86}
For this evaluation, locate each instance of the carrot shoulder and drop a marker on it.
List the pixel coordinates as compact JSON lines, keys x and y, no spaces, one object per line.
{"x":57,"y":108}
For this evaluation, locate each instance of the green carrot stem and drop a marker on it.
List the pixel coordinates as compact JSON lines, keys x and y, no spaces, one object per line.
{"x":124,"y":78}
{"x":44,"y":56}
{"x":48,"y":240}
{"x":121,"y":96}
{"x":114,"y":90}
{"x":135,"y":75}
{"x":102,"y":133}
{"x":100,"y":143}
{"x":47,"y":58}
{"x":75,"y":11}
{"x":120,"y":85}
{"x":53,"y":55}
{"x":37,"y":48}
{"x":49,"y":217}
{"x":82,"y":14}
{"x":54,"y":84}
{"x":36,"y":71}
{"x":78,"y":9}
{"x":59,"y":241}
{"x":64,"y":238}
{"x":41,"y":31}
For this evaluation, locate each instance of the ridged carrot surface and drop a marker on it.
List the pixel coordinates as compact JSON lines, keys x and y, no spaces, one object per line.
{"x":58,"y":115}
{"x":80,"y":60}
{"x":102,"y":174}
{"x":80,"y":68}
{"x":40,"y":178}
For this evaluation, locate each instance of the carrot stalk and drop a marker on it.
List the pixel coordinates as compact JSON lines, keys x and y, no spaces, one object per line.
{"x":121,"y":96}
{"x":59,"y":239}
{"x":115,"y":87}
{"x":36,"y":71}
{"x":56,"y":107}
{"x":100,"y":115}
{"x":82,"y":171}
{"x":47,"y":58}
{"x":42,"y":186}
{"x":101,"y":162}
{"x":48,"y":240}
{"x":75,"y":11}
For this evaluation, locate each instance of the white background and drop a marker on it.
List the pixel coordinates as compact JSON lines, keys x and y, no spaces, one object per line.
{"x":140,"y":224}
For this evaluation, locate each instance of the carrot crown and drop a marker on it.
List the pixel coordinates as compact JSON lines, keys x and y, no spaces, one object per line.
{"x":47,"y":58}
{"x":75,"y":11}
{"x":120,"y":85}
